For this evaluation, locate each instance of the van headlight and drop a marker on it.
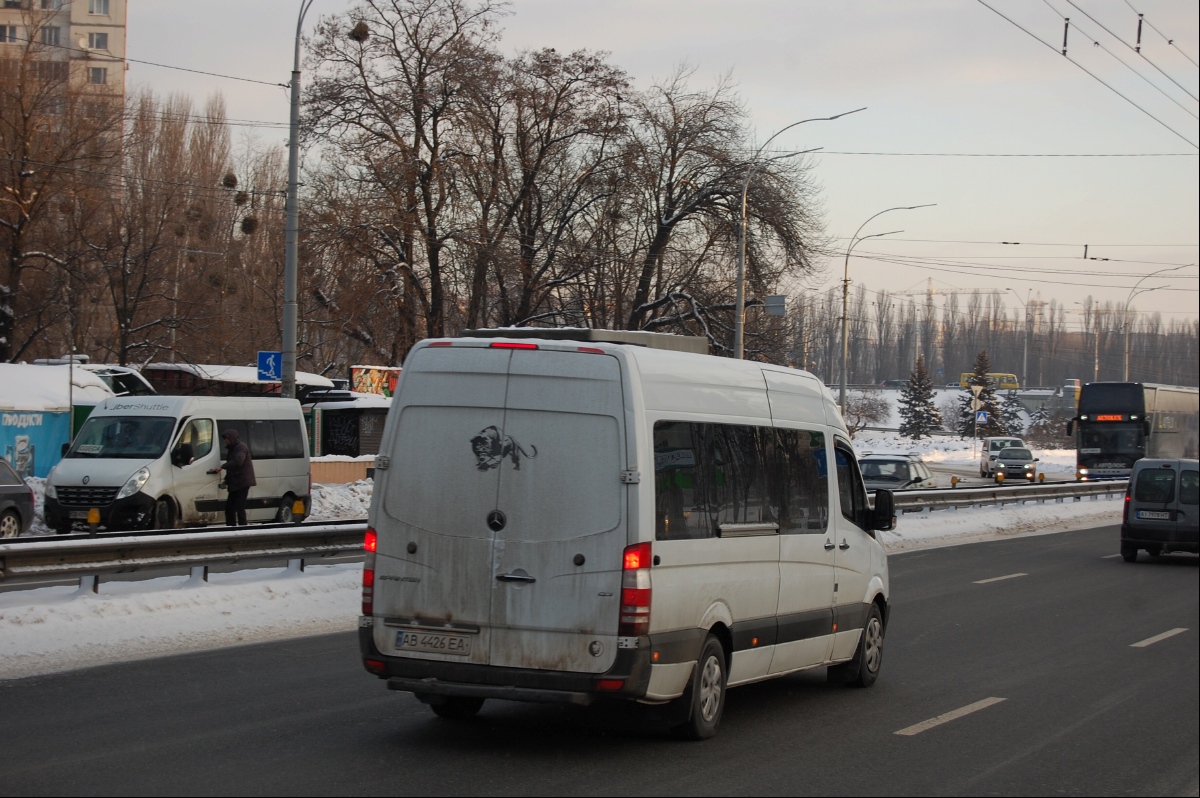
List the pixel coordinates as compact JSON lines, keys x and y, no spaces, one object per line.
{"x":51,"y":491}
{"x":135,"y":483}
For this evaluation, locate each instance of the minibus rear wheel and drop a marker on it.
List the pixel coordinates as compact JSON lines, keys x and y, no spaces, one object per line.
{"x":705,"y":695}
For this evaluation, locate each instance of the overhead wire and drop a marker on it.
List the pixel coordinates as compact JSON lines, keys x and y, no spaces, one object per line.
{"x":1091,"y":74}
{"x":1131,"y":47}
{"x":1170,"y":42}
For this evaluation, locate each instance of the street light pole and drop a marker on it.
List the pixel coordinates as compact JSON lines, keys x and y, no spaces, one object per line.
{"x":1134,"y":292}
{"x":292,"y":223}
{"x":739,"y":313}
{"x":1025,"y":346}
{"x":854,"y":239}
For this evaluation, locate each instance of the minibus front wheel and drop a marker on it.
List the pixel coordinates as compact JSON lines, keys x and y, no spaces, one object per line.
{"x":163,"y":516}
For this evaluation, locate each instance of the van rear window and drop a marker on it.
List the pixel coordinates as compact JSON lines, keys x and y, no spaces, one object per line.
{"x":712,"y":474}
{"x":1189,"y":487}
{"x":1155,"y":485}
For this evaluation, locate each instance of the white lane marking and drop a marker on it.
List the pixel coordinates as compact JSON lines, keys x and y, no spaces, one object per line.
{"x":1149,"y":641}
{"x":955,"y":714}
{"x":1110,"y":556}
{"x":998,"y":579}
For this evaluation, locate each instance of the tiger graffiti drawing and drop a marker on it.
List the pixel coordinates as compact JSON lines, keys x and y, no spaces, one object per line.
{"x":491,"y":446}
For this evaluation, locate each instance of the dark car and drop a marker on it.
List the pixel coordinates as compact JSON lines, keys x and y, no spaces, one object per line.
{"x":16,"y":503}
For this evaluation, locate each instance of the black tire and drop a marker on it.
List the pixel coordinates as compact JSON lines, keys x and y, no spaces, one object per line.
{"x":1128,"y":553}
{"x":457,"y":707}
{"x":10,"y":524}
{"x":705,"y":696}
{"x":863,"y":669}
{"x":284,"y":514}
{"x":63,"y":529}
{"x":164,"y":515}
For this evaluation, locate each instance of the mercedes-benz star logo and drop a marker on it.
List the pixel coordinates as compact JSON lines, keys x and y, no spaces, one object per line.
{"x":86,"y":480}
{"x":496,"y":520}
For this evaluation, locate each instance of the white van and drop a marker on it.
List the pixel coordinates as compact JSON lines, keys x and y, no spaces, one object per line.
{"x":143,"y":462}
{"x":991,"y":448}
{"x":563,"y":521}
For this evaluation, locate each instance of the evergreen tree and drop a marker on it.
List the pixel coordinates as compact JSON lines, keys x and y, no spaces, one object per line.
{"x":1010,"y":414}
{"x":987,"y":401}
{"x":918,"y":415}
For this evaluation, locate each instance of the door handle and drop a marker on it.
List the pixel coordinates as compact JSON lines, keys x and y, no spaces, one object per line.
{"x":844,"y":545}
{"x":515,"y":578}
{"x":828,"y":545}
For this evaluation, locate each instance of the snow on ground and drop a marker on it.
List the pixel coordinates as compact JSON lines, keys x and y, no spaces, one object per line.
{"x":956,"y":452}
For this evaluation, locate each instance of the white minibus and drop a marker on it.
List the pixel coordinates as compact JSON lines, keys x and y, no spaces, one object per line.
{"x":560,"y":520}
{"x":143,"y":463}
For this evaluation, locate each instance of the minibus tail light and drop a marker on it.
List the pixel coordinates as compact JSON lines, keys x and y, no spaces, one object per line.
{"x":512,"y":345}
{"x":1125,"y":514}
{"x":635,"y":591}
{"x":370,"y":543}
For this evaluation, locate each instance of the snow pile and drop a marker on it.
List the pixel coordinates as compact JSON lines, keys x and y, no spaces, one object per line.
{"x":334,"y":502}
{"x":53,"y":629}
{"x":49,"y":388}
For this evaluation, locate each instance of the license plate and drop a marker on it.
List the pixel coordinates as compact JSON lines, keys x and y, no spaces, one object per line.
{"x":433,"y":643}
{"x":1154,"y":515}
{"x":79,"y":515}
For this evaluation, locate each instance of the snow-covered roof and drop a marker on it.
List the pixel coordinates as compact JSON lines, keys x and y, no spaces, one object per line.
{"x":240,"y":374}
{"x":44,"y":388}
{"x":357,"y":401}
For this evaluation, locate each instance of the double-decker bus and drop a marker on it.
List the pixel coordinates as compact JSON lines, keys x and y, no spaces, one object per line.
{"x":1119,"y":423}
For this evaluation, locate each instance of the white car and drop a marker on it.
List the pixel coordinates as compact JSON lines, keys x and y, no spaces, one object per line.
{"x":991,"y":450}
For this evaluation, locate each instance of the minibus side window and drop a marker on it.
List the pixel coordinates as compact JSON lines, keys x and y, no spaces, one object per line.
{"x":289,"y":441}
{"x":1189,"y":487}
{"x":198,"y":435}
{"x":707,"y":475}
{"x":851,"y":494}
{"x":262,"y":440}
{"x":800,"y":482}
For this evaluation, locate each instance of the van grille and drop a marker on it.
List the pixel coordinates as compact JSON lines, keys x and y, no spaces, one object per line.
{"x":87,"y":497}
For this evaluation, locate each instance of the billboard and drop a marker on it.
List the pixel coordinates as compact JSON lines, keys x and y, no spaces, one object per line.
{"x":32,"y":442}
{"x":374,"y":379}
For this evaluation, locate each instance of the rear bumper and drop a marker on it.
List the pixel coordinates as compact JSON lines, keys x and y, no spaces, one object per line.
{"x":438,"y":678}
{"x":1186,"y":539}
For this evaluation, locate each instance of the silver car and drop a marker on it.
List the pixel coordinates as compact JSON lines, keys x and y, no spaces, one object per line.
{"x":1015,"y":462}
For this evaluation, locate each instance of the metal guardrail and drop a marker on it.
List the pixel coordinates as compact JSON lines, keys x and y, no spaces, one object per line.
{"x":43,"y":559}
{"x":943,"y":498}
{"x":87,"y":557}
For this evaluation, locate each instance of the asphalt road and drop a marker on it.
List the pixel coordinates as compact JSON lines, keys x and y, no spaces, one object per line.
{"x":1036,"y":635}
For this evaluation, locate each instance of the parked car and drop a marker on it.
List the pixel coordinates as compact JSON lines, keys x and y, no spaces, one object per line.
{"x":1162,"y":508}
{"x":1015,"y":462}
{"x":895,"y":384}
{"x":991,"y":448}
{"x":895,"y":472}
{"x":16,"y":503}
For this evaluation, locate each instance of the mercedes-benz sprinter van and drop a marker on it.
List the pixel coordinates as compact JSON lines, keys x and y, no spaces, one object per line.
{"x":143,"y":463}
{"x":563,"y":520}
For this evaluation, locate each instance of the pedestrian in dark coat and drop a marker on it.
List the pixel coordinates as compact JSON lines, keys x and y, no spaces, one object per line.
{"x":239,"y":477}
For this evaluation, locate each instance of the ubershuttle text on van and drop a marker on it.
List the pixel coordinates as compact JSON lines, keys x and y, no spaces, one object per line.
{"x":562,"y":520}
{"x":143,"y":463}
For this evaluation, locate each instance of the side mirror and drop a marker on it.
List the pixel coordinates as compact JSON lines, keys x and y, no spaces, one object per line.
{"x":1146,"y":426}
{"x":1037,"y":459}
{"x":66,"y":447}
{"x":883,"y":517}
{"x":1071,"y":427}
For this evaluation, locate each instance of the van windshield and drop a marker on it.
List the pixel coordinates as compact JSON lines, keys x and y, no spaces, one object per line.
{"x":123,"y":437}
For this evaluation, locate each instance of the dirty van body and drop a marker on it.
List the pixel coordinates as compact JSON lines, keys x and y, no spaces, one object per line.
{"x":145,"y":463}
{"x":564,"y":521}
{"x":1162,"y":508}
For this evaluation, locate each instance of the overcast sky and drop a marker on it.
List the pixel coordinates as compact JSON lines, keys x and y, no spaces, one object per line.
{"x":947,"y":77}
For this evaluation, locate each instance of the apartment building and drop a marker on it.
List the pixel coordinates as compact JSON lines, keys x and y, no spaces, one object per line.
{"x":81,"y":38}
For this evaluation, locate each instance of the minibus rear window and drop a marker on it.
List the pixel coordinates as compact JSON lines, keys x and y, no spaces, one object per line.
{"x":1189,"y":487}
{"x":1155,"y":486}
